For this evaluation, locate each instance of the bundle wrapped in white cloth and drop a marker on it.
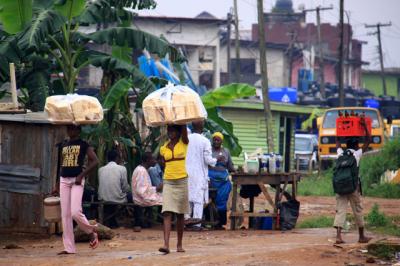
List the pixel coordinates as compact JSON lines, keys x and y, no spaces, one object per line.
{"x":73,"y":109}
{"x":173,"y":105}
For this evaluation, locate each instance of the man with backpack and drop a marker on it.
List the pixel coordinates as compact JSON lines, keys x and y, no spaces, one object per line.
{"x":347,"y":186}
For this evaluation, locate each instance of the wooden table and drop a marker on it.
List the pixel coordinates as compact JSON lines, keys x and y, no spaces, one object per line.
{"x":275,"y":180}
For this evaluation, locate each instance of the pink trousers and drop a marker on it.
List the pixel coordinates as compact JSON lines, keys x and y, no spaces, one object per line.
{"x":71,"y":208}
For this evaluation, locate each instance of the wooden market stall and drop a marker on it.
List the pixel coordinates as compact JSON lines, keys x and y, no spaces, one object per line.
{"x":28,"y":169}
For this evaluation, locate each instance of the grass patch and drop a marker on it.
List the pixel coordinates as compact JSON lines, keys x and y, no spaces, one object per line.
{"x":378,"y":222}
{"x":386,"y":190}
{"x":315,"y":185}
{"x":316,"y":222}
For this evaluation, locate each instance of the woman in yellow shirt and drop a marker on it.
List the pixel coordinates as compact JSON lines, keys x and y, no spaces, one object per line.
{"x":175,"y":184}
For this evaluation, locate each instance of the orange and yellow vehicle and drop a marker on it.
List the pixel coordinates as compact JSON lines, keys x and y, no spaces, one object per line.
{"x":327,"y":130}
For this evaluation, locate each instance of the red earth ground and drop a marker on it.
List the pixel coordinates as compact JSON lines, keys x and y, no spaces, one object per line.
{"x":240,"y":247}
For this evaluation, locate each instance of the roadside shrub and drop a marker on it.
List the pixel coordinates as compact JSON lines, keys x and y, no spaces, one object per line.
{"x":372,"y":167}
{"x":376,"y":218}
{"x":384,"y":190}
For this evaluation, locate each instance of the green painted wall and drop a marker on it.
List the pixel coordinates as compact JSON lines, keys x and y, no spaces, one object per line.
{"x":373,"y":82}
{"x":249,"y":127}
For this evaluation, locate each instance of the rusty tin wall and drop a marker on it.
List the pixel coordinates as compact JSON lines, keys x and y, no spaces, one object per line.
{"x":34,"y":145}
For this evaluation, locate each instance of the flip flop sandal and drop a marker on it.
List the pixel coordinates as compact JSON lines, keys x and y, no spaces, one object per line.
{"x":64,"y":252}
{"x":94,"y":243}
{"x":164,"y":250}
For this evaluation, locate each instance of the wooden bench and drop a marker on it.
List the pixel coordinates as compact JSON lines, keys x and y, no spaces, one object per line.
{"x":100,"y":208}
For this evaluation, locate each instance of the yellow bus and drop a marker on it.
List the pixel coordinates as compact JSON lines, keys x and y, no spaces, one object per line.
{"x":327,"y":130}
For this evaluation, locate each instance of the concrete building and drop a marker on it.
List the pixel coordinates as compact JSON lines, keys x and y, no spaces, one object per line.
{"x":198,"y":38}
{"x":285,"y":26}
{"x":371,"y":79}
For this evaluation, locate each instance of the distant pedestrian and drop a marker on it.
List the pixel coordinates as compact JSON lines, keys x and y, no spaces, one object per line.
{"x":199,"y":157}
{"x":175,"y":185}
{"x":72,"y":180}
{"x":347,"y":184}
{"x":219,"y":177}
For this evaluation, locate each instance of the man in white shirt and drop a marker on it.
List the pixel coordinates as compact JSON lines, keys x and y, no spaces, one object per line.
{"x":354,"y":198}
{"x":113,"y":184}
{"x":198,"y":158}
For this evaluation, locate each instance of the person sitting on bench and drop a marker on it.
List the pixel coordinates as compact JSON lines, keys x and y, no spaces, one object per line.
{"x":143,"y":193}
{"x":113,"y":186}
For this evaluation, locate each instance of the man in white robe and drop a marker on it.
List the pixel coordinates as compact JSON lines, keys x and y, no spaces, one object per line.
{"x":198,"y":158}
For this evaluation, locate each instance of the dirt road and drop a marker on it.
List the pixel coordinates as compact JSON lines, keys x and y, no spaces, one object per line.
{"x":241,"y":247}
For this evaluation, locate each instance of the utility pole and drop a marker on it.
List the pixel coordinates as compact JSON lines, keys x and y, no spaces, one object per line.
{"x":293,"y":37}
{"x":378,"y":33}
{"x":228,"y":47}
{"x":341,"y":52}
{"x":320,"y":50}
{"x":264,"y":77}
{"x":237,"y":44}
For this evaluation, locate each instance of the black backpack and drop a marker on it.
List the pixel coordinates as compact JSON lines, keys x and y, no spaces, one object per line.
{"x":345,"y":174}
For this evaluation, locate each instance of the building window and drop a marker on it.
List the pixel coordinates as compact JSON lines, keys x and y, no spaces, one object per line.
{"x":247,"y":65}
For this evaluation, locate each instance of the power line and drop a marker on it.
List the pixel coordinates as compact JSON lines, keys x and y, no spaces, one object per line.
{"x":378,"y":27}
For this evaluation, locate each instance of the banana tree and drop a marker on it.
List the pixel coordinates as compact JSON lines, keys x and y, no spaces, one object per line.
{"x":51,"y":45}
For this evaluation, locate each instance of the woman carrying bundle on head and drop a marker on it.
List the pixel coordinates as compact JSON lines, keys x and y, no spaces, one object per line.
{"x":175,"y":184}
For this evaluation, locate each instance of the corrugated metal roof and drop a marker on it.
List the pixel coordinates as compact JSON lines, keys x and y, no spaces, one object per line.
{"x":35,"y":117}
{"x":275,"y":106}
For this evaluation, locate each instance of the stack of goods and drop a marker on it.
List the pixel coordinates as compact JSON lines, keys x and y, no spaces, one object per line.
{"x":173,"y":105}
{"x":73,"y":109}
{"x":349,"y":124}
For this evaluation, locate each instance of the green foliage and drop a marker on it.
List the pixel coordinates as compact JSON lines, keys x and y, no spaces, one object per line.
{"x":46,"y":23}
{"x":385,"y":190}
{"x":116,"y":92}
{"x":373,"y":167}
{"x":70,"y":8}
{"x":136,"y":39}
{"x":376,"y":218}
{"x":317,"y":185}
{"x":226,"y":94}
{"x":15,"y":14}
{"x":316,"y":222}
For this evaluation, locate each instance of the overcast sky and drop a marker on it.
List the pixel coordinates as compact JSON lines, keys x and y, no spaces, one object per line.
{"x":361,"y":12}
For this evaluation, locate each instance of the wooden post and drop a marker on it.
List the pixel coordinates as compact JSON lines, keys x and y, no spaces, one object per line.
{"x":13,"y":86}
{"x":228,"y":47}
{"x":378,"y":33}
{"x":237,"y":42}
{"x":264,"y":76}
{"x":341,"y":53}
{"x":233,"y":210}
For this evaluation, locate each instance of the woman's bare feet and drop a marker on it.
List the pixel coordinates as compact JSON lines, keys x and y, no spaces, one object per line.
{"x":364,"y":239}
{"x":180,"y":249}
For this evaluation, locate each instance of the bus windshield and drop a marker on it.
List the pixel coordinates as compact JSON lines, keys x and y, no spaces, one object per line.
{"x":330,"y":117}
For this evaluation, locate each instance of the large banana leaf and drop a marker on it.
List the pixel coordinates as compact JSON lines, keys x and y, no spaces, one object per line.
{"x":47,"y":22}
{"x":100,"y":11}
{"x":106,"y":62}
{"x":114,"y":94}
{"x":135,"y":39}
{"x":226,"y":94}
{"x":70,"y":8}
{"x":15,"y":14}
{"x":216,"y":122}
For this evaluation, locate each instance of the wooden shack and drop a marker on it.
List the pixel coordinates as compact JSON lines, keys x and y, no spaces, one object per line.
{"x":28,"y":169}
